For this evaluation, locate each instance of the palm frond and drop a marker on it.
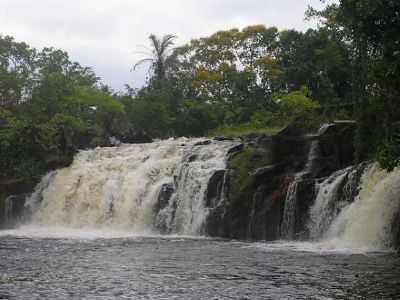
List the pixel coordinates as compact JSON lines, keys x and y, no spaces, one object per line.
{"x":155,"y":43}
{"x":167,"y":42}
{"x":142,"y":61}
{"x":159,"y":55}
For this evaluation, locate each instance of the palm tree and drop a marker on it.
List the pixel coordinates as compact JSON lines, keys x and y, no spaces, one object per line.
{"x":160,"y":55}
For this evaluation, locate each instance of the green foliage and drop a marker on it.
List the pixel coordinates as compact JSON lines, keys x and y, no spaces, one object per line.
{"x":53,"y":135}
{"x":298,"y":102}
{"x":196,"y":118}
{"x":243,"y":129}
{"x":152,"y":117}
{"x":16,"y":71}
{"x":29,"y":169}
{"x":233,"y":82}
{"x":63,"y":121}
{"x":160,"y":59}
{"x":15,"y":147}
{"x":244,"y":163}
{"x":98,"y":100}
{"x":371,"y":30}
{"x":296,"y":105}
{"x":389,"y":154}
{"x":10,"y":128}
{"x":49,"y":108}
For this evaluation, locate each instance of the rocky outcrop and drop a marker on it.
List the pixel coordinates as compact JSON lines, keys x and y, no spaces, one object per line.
{"x":260,"y":172}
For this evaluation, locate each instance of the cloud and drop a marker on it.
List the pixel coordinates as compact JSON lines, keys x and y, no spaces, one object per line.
{"x":106,"y":34}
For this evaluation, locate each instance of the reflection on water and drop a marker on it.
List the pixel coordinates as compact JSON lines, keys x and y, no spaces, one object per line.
{"x":131,"y":267}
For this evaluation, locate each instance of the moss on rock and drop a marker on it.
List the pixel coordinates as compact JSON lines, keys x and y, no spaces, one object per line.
{"x":246,"y":161}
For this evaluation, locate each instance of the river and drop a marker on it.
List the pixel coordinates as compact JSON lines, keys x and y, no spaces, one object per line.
{"x":39,"y":263}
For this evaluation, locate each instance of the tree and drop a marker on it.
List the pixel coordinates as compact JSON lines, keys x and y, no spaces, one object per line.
{"x":160,"y":58}
{"x":371,"y":29}
{"x":17,"y":64}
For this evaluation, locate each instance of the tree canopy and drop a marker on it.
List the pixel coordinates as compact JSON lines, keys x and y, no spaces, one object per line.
{"x":236,"y":81}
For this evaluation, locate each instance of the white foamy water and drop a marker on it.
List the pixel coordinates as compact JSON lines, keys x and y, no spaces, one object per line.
{"x":328,"y":247}
{"x":367,"y":222}
{"x":68,"y":233}
{"x":116,"y":189}
{"x":289,"y":213}
{"x":322,"y":211}
{"x":37,"y":231}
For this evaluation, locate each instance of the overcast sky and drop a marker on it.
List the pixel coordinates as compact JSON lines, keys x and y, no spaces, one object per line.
{"x":106,"y":34}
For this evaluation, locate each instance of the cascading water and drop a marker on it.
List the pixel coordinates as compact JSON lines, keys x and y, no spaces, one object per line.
{"x":33,"y":202}
{"x":323,"y":210}
{"x":367,"y":222}
{"x":118,"y":188}
{"x":288,"y":224}
{"x":8,"y":209}
{"x":351,"y":214}
{"x":289,"y":213}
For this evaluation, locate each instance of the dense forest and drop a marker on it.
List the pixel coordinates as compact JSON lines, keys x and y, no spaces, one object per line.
{"x":234,"y":82}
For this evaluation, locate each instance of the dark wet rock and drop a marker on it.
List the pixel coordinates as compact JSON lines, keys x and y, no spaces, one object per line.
{"x":12,"y":210}
{"x":293,"y":129}
{"x":396,"y":231}
{"x":135,"y":137}
{"x":236,"y":148}
{"x":164,"y":196}
{"x":260,"y":171}
{"x":214,"y":188}
{"x":13,"y":186}
{"x":203,"y":143}
{"x":306,"y":193}
{"x":265,"y":214}
{"x":192,"y":158}
{"x":13,"y":193}
{"x":223,"y":138}
{"x":266,"y":171}
{"x":161,"y":220}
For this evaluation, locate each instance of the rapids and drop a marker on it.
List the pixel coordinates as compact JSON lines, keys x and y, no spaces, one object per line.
{"x":118,"y":188}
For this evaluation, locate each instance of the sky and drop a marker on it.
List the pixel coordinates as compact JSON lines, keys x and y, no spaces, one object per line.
{"x":108,"y":34}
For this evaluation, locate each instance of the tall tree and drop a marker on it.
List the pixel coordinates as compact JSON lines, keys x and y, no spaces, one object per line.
{"x":17,"y":63}
{"x":160,"y":55}
{"x":372,"y":29}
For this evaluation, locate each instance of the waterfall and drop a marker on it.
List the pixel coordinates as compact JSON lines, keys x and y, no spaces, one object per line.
{"x":367,"y":222}
{"x":33,"y":202}
{"x":322,"y":212}
{"x":13,"y":210}
{"x":288,"y":224}
{"x":289,"y":213}
{"x":119,"y":187}
{"x":8,"y":209}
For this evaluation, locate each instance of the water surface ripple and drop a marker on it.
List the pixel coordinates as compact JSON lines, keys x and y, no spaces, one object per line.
{"x":187,"y":268}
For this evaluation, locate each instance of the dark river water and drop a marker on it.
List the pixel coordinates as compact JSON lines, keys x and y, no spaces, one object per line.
{"x":52,"y":267}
